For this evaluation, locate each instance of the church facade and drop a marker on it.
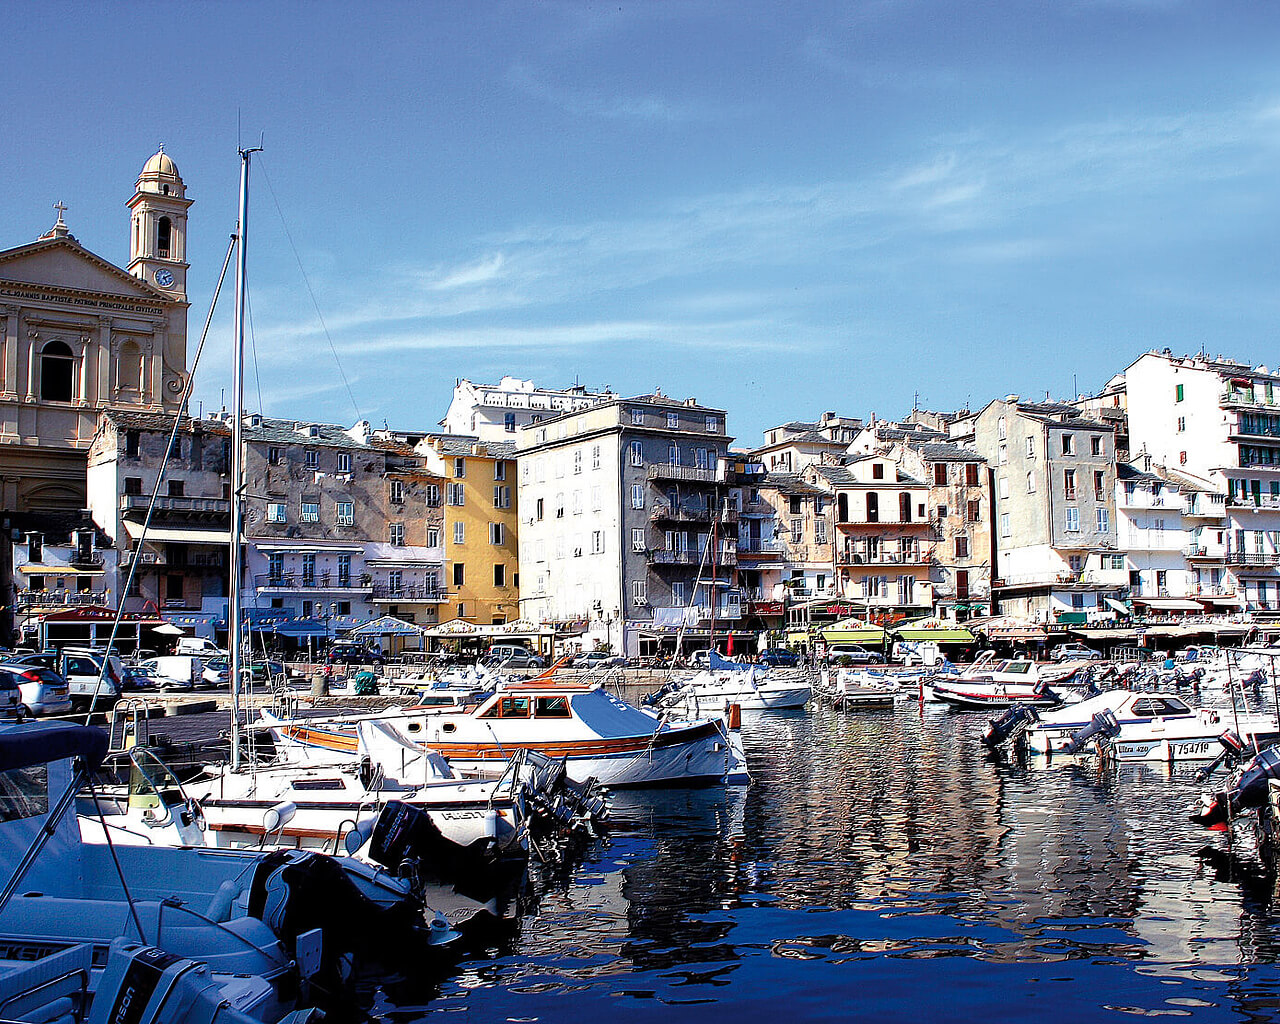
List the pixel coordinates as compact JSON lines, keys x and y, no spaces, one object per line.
{"x":79,"y":335}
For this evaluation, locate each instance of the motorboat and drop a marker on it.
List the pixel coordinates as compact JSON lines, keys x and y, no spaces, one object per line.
{"x":597,"y":735}
{"x":1153,"y":726}
{"x":89,"y":929}
{"x":726,"y":683}
{"x":486,"y":819}
{"x":992,"y":683}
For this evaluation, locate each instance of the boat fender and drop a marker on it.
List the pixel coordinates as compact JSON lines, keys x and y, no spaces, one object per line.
{"x":358,"y":836}
{"x":223,"y":900}
{"x":735,"y":716}
{"x":279,"y":816}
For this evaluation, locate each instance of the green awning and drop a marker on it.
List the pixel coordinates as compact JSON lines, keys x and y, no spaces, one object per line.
{"x":1072,"y":618}
{"x":938,"y":636}
{"x":863,"y":635}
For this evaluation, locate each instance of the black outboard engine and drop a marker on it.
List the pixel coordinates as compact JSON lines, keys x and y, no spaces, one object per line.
{"x":1013,"y":722}
{"x":1103,"y":725}
{"x":1233,"y":751}
{"x":1247,"y":791}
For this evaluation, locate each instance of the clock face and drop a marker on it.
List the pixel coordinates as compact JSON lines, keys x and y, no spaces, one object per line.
{"x":164,"y":278}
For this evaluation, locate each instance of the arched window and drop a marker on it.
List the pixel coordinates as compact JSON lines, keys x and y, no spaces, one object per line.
{"x":873,"y":507}
{"x":130,"y":366}
{"x":163,"y":234}
{"x":57,"y":373}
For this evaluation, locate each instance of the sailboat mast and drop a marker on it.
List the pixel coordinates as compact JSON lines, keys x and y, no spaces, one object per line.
{"x":235,"y":612}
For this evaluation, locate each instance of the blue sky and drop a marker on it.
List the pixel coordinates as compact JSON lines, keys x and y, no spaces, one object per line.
{"x":777,"y":208}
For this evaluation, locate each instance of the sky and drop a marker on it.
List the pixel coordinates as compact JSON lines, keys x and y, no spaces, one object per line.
{"x":777,"y":208}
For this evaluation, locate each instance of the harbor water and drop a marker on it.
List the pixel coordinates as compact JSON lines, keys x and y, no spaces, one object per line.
{"x":883,"y":866}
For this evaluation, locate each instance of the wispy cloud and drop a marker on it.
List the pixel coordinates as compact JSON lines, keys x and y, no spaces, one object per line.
{"x":653,"y":108}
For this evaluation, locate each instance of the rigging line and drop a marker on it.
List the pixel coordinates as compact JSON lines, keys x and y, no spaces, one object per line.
{"x":164,"y":464}
{"x":253,"y":343}
{"x":307,"y":281}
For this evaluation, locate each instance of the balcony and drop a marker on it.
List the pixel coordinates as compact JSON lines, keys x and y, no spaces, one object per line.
{"x":694,"y":558}
{"x":173,"y":503}
{"x":886,"y":522}
{"x":60,"y":598}
{"x":1242,"y":558}
{"x":664,"y":511}
{"x":1246,"y":397}
{"x":1200,"y":551}
{"x":1270,"y":502}
{"x":690,"y":474}
{"x":409,"y":593}
{"x":321,"y":581}
{"x":761,"y":547}
{"x":882,"y":558}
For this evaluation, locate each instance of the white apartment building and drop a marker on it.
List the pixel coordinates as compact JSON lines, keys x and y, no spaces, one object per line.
{"x":1219,"y":419}
{"x":494,"y":412}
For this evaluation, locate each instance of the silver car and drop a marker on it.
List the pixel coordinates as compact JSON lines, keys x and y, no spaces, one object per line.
{"x":41,"y":690}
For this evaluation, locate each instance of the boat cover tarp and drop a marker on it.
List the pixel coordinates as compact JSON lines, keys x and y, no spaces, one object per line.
{"x":720,"y":664}
{"x":41,"y":742}
{"x":610,"y":716}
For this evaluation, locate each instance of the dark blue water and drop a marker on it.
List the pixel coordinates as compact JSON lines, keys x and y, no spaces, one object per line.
{"x":883,"y":867}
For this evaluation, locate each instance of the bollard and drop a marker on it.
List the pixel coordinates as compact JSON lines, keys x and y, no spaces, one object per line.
{"x":319,"y":686}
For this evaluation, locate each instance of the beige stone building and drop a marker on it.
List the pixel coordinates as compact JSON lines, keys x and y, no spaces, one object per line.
{"x":79,"y":335}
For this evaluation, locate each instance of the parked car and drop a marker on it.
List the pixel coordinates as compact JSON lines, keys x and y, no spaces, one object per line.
{"x":11,"y":694}
{"x":41,"y":690}
{"x":598,"y":659}
{"x":779,"y":657}
{"x":853,"y":654}
{"x":1074,"y":652}
{"x":135,"y":677}
{"x":354,"y":654}
{"x":199,"y":645}
{"x":518,"y":658}
{"x":88,"y":680}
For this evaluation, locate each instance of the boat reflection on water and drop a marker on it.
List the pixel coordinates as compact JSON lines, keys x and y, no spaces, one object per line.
{"x":883,"y":865}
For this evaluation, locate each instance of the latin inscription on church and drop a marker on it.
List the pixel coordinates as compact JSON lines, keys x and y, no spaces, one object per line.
{"x":77,"y":300}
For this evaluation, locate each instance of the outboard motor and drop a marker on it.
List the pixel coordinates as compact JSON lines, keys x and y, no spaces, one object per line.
{"x":1247,"y":791}
{"x":1103,"y":725}
{"x":1014,"y":721}
{"x":1233,"y":749}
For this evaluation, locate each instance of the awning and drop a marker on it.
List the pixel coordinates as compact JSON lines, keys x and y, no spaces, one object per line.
{"x":1072,"y":618}
{"x":57,"y":570}
{"x":938,"y":635}
{"x":173,"y":535}
{"x":865,"y":635}
{"x":386,"y":625}
{"x":1119,"y":606}
{"x":1169,"y":604}
{"x":303,"y":628}
{"x":1231,"y":599}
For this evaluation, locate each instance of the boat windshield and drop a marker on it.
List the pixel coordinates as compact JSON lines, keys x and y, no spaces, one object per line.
{"x":507,"y":707}
{"x":1159,"y":707}
{"x":24,"y":792}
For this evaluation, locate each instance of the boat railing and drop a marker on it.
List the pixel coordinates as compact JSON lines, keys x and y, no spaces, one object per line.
{"x":128,"y":720}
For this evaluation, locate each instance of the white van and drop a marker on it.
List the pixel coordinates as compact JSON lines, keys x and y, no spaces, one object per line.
{"x":200,"y":646}
{"x":176,"y":671}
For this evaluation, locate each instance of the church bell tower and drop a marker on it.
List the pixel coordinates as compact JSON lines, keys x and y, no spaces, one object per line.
{"x":158,"y":245}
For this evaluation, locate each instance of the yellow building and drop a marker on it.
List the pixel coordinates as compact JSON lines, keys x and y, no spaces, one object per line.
{"x":482,"y":572}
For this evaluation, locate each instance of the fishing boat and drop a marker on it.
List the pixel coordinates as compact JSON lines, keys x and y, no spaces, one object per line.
{"x":596,"y":734}
{"x":192,"y":934}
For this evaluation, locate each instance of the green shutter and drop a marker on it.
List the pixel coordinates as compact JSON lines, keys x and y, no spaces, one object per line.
{"x":1178,"y":393}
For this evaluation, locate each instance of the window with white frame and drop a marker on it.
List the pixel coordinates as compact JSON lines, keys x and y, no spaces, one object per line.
{"x":459,"y":533}
{"x":395,"y":534}
{"x":344,"y":462}
{"x":673,"y":455}
{"x":345,"y":513}
{"x":1031,"y":483}
{"x":819,"y":531}
{"x":597,"y":542}
{"x":1104,"y":520}
{"x":310,"y":510}
{"x":1031,"y":447}
{"x":509,"y":422}
{"x":1073,"y":519}
{"x":713,"y":424}
{"x":277,"y":512}
{"x":456,"y":494}
{"x":1005,"y":530}
{"x":495,"y":533}
{"x":312,"y":459}
{"x":678,"y":594}
{"x":499,"y":470}
{"x":595,"y":456}
{"x":577,"y":462}
{"x":1004,"y":487}
{"x":637,"y":538}
{"x":459,"y":468}
{"x":501,"y":496}
{"x":577,"y":503}
{"x":639,"y":592}
{"x":673,"y":420}
{"x":433,"y":536}
{"x":700,"y":458}
{"x":1068,"y":444}
{"x":397,"y":492}
{"x":637,"y":495}
{"x":637,"y":417}
{"x":637,"y":453}
{"x":432,"y":495}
